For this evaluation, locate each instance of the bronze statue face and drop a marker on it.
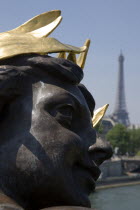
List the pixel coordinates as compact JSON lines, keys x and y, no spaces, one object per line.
{"x":48,"y":152}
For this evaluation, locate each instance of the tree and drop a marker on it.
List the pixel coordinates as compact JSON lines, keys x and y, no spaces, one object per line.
{"x":119,"y":137}
{"x":134,"y":140}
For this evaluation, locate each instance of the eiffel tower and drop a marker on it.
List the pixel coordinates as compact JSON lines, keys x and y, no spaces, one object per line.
{"x":120,"y":114}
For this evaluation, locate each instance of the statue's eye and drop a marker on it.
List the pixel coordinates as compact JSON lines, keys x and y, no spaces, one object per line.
{"x":65,"y":110}
{"x":64,"y":115}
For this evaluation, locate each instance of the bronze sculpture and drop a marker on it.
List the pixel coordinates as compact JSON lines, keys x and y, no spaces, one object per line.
{"x":49,"y":154}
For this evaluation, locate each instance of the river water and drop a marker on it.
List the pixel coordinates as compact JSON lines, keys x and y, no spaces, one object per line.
{"x":120,"y":198}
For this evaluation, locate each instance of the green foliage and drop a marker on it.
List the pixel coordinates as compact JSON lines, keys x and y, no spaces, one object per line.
{"x":135,"y":140}
{"x":138,"y":153}
{"x":119,"y":137}
{"x":99,"y":128}
{"x":127,"y":140}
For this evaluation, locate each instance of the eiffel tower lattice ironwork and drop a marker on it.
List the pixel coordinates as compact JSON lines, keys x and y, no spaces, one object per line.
{"x":120,"y":114}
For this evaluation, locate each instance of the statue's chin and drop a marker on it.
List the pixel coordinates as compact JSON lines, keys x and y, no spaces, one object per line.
{"x":85,"y":203}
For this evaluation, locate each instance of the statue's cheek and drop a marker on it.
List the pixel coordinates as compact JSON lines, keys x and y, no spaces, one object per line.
{"x":26,"y":161}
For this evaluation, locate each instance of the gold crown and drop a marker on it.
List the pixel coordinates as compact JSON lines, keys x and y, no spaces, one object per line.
{"x":31,"y":37}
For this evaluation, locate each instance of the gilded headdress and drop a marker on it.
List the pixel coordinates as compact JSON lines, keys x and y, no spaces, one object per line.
{"x":32,"y":37}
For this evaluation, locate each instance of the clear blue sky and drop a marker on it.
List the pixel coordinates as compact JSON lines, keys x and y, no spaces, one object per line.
{"x":111,"y":25}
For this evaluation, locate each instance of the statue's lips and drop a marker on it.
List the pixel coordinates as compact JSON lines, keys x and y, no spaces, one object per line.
{"x":88,"y":175}
{"x":94,"y":171}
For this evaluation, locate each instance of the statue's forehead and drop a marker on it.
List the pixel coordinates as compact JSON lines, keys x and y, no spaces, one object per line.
{"x":62,"y":91}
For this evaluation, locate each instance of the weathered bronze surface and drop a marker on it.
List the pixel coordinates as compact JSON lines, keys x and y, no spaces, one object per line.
{"x":49,"y":155}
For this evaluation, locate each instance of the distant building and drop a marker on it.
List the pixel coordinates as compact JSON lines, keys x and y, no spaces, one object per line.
{"x":107,"y":124}
{"x":120,"y":114}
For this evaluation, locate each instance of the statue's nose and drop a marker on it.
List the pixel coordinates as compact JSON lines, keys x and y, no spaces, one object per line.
{"x":100,"y":151}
